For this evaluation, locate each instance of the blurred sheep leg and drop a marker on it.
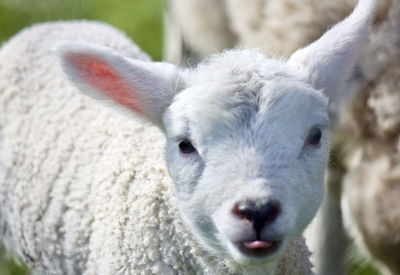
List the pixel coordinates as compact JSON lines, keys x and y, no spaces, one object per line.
{"x":326,"y":236}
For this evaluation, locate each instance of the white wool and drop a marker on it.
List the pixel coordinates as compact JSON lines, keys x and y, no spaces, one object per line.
{"x":84,"y":190}
{"x":371,"y":189}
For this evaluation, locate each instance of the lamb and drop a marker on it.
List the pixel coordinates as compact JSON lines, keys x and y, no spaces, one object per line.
{"x":246,"y":145}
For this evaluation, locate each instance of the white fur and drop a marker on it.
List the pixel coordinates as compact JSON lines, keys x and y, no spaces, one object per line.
{"x":249,"y":118}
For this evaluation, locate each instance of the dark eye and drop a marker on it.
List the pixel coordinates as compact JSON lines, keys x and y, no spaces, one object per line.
{"x":314,"y":137}
{"x":186,"y":147}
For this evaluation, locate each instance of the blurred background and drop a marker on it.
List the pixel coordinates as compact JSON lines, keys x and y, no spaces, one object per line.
{"x":140,"y":19}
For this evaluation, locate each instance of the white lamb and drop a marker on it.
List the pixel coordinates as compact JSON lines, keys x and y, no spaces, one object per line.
{"x":83,"y":189}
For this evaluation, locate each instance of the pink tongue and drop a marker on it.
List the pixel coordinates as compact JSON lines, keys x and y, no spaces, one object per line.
{"x":257,"y":244}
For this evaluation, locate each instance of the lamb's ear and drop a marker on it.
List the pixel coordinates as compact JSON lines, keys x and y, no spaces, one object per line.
{"x":329,"y":60}
{"x":145,"y":88}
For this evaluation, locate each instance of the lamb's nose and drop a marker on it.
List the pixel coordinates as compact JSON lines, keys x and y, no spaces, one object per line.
{"x":260,"y":214}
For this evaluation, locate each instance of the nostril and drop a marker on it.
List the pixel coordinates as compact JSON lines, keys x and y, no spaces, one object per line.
{"x":271,"y":212}
{"x":259,"y":214}
{"x":245,"y":210}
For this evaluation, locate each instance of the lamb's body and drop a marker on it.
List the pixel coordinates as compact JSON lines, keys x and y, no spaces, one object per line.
{"x":83,"y":189}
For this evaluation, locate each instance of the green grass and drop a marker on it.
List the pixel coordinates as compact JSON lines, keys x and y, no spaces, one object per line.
{"x":359,"y":265}
{"x":140,"y":19}
{"x":10,"y":267}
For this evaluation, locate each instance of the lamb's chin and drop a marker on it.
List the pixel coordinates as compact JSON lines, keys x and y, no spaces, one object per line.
{"x":256,"y":252}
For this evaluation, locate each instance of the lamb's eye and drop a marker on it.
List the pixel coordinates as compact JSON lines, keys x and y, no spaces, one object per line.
{"x":314,"y":137}
{"x":186,"y":147}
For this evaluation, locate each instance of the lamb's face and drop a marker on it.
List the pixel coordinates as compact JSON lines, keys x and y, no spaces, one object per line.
{"x":247,"y":151}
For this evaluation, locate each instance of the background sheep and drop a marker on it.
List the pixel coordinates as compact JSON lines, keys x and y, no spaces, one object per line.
{"x":74,"y":201}
{"x":199,"y":28}
{"x":369,"y":128}
{"x":196,"y":29}
{"x":371,"y":186}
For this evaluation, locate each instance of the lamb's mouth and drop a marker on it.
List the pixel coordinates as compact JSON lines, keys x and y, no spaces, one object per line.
{"x":258,"y":248}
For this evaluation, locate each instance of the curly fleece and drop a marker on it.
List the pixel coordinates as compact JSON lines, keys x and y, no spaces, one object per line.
{"x":84,"y":189}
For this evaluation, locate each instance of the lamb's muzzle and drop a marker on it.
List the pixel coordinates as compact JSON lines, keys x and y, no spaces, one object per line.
{"x":260,"y":216}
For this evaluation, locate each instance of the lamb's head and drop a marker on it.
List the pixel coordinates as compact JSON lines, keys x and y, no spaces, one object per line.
{"x":248,"y":142}
{"x":247,"y":137}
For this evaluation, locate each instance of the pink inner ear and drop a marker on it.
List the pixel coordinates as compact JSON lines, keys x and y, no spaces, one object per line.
{"x":105,"y":79}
